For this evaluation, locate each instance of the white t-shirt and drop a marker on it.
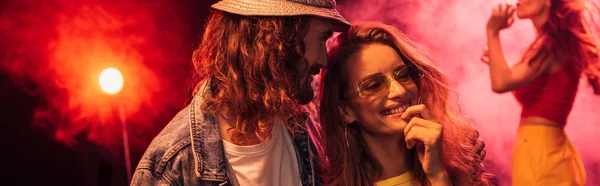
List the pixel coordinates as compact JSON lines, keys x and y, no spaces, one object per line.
{"x":272,"y":162}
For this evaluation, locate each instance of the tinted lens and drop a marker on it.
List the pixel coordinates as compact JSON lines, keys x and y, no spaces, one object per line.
{"x":402,"y":76}
{"x":373,"y":86}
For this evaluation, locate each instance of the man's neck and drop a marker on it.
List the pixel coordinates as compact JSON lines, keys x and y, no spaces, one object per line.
{"x":390,"y":152}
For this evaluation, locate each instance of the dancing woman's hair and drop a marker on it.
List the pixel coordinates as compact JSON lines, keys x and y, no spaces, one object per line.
{"x":570,"y":29}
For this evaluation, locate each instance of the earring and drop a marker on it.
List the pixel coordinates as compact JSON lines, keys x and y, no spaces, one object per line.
{"x":354,"y":154}
{"x":346,"y":136}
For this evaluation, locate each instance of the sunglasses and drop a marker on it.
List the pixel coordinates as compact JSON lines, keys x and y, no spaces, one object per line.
{"x":379,"y":84}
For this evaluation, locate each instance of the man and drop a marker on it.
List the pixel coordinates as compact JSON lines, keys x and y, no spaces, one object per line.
{"x":245,"y":125}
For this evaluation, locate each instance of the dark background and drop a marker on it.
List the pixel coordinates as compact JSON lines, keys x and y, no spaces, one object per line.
{"x":31,"y":157}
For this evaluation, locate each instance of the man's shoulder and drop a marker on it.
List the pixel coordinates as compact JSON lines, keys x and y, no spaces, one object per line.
{"x":170,"y":142}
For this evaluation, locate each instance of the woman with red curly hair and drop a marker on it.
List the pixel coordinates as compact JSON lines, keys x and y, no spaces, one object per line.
{"x":545,"y":83}
{"x":385,"y":113}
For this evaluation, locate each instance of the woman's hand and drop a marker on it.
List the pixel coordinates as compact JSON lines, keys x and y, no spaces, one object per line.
{"x":501,"y":18}
{"x":425,"y":132}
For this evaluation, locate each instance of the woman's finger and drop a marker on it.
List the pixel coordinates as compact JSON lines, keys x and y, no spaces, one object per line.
{"x":512,"y":10}
{"x":427,"y":136}
{"x":510,"y":21}
{"x":420,"y":122}
{"x":417,"y":110}
{"x":415,"y":135}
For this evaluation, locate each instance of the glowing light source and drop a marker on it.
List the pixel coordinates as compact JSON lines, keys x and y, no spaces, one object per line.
{"x":111,"y":80}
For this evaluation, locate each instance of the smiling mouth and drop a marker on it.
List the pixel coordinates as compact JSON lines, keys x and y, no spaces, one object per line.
{"x":394,"y":110}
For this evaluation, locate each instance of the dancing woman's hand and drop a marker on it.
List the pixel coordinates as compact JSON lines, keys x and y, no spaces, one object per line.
{"x":501,"y":18}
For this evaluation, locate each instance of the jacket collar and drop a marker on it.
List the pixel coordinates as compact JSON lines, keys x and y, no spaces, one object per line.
{"x":207,"y":144}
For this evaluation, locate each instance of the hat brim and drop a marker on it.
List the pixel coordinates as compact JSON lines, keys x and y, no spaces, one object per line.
{"x":282,"y":8}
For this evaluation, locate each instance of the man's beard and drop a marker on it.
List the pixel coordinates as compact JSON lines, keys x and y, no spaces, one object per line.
{"x":302,"y":91}
{"x":304,"y":94}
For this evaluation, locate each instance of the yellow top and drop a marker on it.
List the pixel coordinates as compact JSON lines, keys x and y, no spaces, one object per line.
{"x":401,"y":180}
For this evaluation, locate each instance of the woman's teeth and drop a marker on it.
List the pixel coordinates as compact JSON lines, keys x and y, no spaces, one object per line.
{"x":394,"y":110}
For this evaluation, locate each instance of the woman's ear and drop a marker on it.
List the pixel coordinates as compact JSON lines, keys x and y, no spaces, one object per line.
{"x":347,"y":113}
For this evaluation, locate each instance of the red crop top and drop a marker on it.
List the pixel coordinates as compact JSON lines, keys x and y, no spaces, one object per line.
{"x":550,"y":95}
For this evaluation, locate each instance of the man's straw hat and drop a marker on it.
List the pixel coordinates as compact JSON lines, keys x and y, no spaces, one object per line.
{"x":320,"y":8}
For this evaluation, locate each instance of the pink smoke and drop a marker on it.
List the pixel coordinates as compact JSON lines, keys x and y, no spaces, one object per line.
{"x":453,"y":30}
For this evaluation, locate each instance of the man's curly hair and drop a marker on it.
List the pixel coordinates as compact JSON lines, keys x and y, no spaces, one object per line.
{"x":249,"y":68}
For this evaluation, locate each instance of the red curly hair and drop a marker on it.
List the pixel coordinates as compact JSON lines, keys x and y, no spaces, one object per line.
{"x":248,"y":66}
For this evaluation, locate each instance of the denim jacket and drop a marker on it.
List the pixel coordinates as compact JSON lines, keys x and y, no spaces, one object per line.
{"x":189,"y":151}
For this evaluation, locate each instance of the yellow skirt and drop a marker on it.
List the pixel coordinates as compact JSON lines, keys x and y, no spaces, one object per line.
{"x":543,"y":155}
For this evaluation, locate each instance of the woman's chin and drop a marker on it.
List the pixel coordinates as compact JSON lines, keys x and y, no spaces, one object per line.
{"x":523,"y":15}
